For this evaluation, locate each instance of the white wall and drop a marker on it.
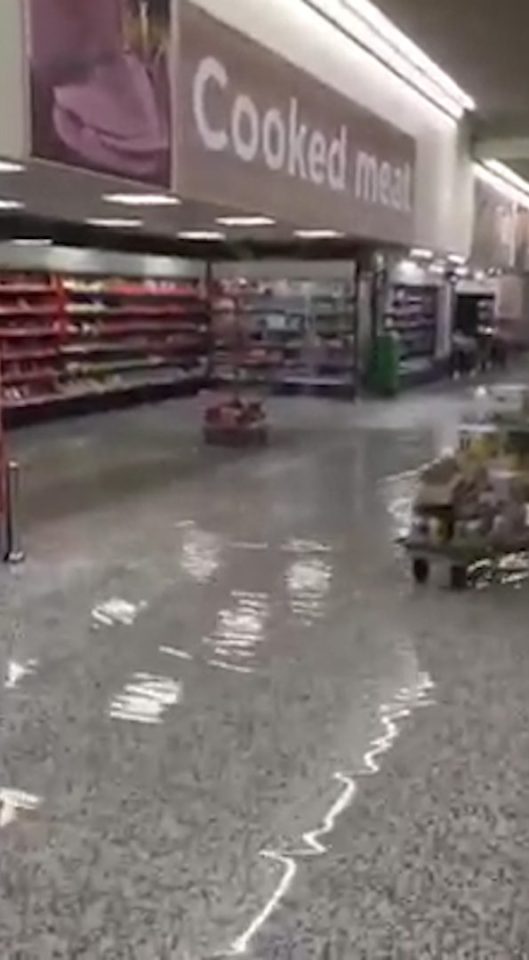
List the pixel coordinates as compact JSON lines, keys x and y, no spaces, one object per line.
{"x":444,"y":178}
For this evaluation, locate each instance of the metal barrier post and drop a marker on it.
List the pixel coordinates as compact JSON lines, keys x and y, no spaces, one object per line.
{"x":13,"y":548}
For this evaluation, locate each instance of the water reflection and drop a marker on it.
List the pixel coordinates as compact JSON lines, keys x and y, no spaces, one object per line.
{"x":116,"y":612}
{"x":399,"y":494}
{"x":313,"y":843}
{"x":295,"y":545}
{"x":239,"y":630}
{"x":308,"y":582}
{"x":16,"y":672}
{"x":146,"y":699}
{"x":12,"y":802}
{"x":200,"y":553}
{"x":510,"y":570}
{"x":174,"y":652}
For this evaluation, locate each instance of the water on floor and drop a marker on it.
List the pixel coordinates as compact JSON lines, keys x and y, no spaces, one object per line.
{"x":230,"y":725}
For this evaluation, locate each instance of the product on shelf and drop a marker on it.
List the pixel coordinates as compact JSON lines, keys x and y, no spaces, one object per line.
{"x":287,"y":334}
{"x":62,"y":337}
{"x":473,"y":505}
{"x":414,"y":316}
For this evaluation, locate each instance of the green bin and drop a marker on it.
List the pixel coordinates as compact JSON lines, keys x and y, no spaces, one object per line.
{"x":384,"y":375}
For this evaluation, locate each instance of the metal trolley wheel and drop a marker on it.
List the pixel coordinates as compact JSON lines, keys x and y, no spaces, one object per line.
{"x":458,"y":577}
{"x":420,"y":570}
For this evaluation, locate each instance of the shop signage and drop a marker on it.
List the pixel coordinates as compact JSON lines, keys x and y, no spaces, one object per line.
{"x":501,"y":230}
{"x":258,"y":134}
{"x":100,"y":82}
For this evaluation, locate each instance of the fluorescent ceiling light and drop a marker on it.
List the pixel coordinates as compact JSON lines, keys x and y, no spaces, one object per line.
{"x":505,"y":186}
{"x":116,"y":222}
{"x":245,"y":221}
{"x":143,"y":199}
{"x":8,"y":166}
{"x":409,"y":266}
{"x":10,"y":205}
{"x":201,"y":235}
{"x":32,"y":242}
{"x":506,"y":173}
{"x":421,"y":253}
{"x":318,"y":234}
{"x":364,"y":23}
{"x":456,"y":258}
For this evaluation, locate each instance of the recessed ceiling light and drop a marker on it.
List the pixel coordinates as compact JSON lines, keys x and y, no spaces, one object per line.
{"x":32,"y":242}
{"x":8,"y":166}
{"x":116,"y":222}
{"x":318,"y":234}
{"x":201,"y":235}
{"x":421,"y":253}
{"x":256,"y":221}
{"x":10,"y":205}
{"x":143,"y":199}
{"x":456,"y":258}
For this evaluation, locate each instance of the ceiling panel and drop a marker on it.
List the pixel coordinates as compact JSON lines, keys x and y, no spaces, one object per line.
{"x":482,"y":44}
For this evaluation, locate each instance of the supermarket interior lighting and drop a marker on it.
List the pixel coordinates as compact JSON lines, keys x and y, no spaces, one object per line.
{"x":318,"y":234}
{"x":505,"y":172}
{"x":115,"y":222}
{"x":492,"y":172}
{"x":364,"y":23}
{"x":9,"y":166}
{"x":143,"y":199}
{"x":256,"y":221}
{"x":421,"y":253}
{"x":201,"y":235}
{"x":11,"y":205}
{"x":32,"y":242}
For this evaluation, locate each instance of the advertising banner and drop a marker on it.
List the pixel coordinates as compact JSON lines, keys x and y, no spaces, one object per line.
{"x":163,"y":93}
{"x":258,"y":134}
{"x":100,"y":85}
{"x":501,"y":230}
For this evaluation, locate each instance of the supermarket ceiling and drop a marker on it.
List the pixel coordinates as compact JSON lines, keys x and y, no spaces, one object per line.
{"x":482,"y":44}
{"x":59,"y":202}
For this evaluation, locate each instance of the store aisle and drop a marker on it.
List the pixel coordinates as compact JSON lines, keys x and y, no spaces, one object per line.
{"x":229,"y":724}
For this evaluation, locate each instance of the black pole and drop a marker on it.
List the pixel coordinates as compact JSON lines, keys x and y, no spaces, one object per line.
{"x":13,"y":547}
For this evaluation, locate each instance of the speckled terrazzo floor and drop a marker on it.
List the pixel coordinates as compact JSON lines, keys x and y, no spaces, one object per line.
{"x":229,"y":725}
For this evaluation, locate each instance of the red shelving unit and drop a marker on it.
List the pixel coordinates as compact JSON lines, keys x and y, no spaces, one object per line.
{"x":63,"y":338}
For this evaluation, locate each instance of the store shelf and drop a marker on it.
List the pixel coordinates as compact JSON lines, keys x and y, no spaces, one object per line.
{"x":32,"y":333}
{"x":103,"y":312}
{"x":100,"y":390}
{"x":311,"y":326}
{"x":28,"y":376}
{"x":98,"y":339}
{"x":20,"y":356}
{"x":15,"y":290}
{"x":133,"y":291}
{"x":414,"y":313}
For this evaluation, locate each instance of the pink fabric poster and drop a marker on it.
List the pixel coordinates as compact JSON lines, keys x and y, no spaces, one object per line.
{"x":100,"y":85}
